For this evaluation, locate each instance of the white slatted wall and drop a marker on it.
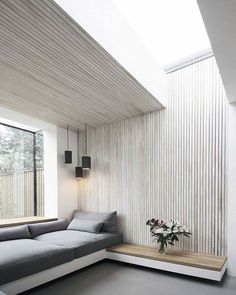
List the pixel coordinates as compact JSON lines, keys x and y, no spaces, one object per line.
{"x":167,"y":164}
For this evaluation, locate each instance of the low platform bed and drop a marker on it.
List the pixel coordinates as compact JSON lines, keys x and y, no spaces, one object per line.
{"x":187,"y":263}
{"x":31,"y":255}
{"x":40,"y":278}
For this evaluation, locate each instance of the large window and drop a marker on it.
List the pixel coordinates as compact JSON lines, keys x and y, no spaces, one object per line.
{"x":21,"y":172}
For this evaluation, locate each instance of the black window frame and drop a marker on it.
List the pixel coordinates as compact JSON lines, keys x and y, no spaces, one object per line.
{"x":35,"y":200}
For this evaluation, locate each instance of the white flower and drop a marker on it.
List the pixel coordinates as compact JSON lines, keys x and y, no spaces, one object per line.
{"x":175,"y":229}
{"x":159,"y":230}
{"x":169,"y":224}
{"x":181,"y":229}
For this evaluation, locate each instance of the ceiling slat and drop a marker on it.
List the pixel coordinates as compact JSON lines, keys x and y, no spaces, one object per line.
{"x":53,"y":70}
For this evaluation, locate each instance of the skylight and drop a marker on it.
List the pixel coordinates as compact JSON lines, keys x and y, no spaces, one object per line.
{"x":169,"y":29}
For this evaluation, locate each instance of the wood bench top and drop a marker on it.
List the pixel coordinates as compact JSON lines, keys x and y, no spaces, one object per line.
{"x":199,"y":260}
{"x":24,"y":220}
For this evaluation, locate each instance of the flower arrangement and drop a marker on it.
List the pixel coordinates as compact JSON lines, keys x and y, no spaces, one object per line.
{"x":167,"y":232}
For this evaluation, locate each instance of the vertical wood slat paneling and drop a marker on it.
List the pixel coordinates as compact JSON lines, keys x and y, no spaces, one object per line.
{"x":17,"y":194}
{"x":169,"y":164}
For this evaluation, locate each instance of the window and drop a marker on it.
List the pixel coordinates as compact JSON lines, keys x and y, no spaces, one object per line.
{"x":21,"y":172}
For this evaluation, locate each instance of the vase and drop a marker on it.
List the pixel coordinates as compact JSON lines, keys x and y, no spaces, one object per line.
{"x":162,"y":250}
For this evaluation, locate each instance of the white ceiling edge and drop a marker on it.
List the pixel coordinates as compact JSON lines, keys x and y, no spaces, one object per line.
{"x":21,"y":120}
{"x":106,"y":24}
{"x":16,"y":124}
{"x":220,"y":21}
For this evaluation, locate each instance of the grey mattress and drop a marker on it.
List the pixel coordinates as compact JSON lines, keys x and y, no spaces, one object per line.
{"x":83,"y":243}
{"x":23,"y":257}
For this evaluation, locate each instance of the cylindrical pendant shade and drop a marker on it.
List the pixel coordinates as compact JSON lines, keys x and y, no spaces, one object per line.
{"x":68,"y":157}
{"x":86,"y":162}
{"x":79,"y":172}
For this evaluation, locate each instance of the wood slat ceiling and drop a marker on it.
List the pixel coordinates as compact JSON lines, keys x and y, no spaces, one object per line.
{"x":53,"y":70}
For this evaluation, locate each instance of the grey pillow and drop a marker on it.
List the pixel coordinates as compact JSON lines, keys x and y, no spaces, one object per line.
{"x":47,"y":227}
{"x":91,"y":226}
{"x":14,"y":233}
{"x":108,"y":219}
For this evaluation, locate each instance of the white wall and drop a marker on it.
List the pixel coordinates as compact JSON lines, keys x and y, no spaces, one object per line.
{"x":106,"y":24}
{"x":50,"y":171}
{"x":219,"y":18}
{"x":232,"y":189}
{"x":67,"y":183}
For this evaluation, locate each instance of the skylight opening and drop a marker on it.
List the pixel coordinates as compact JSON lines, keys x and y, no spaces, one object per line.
{"x":170,"y":30}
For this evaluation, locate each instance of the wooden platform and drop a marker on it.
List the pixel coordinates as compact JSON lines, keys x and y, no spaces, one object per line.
{"x":24,"y":220}
{"x":195,"y":264}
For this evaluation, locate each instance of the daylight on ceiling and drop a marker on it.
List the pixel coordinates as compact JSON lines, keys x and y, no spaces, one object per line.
{"x":170,"y":29}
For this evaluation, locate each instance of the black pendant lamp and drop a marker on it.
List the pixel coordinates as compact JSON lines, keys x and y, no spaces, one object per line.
{"x":86,"y":160}
{"x":78,"y":172}
{"x":78,"y":169}
{"x":68,"y":154}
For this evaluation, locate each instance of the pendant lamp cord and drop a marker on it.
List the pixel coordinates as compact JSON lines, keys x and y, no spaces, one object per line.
{"x":78,"y":148}
{"x":86,"y":142}
{"x":67,"y":137}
